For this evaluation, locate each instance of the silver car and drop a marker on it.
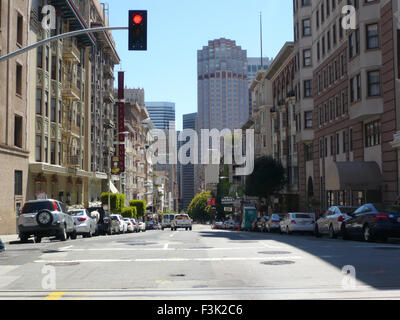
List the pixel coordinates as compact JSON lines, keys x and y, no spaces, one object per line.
{"x":45,"y":218}
{"x":84,"y":223}
{"x":331,"y":221}
{"x":273,"y":222}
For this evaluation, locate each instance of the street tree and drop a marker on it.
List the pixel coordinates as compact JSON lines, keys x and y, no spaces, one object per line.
{"x":267,"y":179}
{"x":198,"y":208}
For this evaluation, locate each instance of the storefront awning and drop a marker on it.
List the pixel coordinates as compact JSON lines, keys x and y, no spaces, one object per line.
{"x":354,"y":175}
{"x":113,"y":188}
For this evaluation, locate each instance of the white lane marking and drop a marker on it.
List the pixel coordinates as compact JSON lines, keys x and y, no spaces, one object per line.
{"x":170,"y":260}
{"x":172,"y":235}
{"x":6,"y":269}
{"x":65,"y":248}
{"x":165,"y":248}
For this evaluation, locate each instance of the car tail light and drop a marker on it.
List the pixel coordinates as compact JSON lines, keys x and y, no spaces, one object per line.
{"x":293,"y":222}
{"x":276,"y":221}
{"x":129,"y":223}
{"x":54,"y":206}
{"x":23,"y":209}
{"x":340,"y":218}
{"x":381,"y":216}
{"x":81,"y":219}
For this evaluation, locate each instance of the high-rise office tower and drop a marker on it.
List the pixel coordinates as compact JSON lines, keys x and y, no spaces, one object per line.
{"x":222,"y":85}
{"x":161,"y":113}
{"x":188,"y":170}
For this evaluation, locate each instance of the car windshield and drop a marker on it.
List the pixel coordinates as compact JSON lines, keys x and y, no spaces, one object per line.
{"x":347,"y":210}
{"x":33,"y":207}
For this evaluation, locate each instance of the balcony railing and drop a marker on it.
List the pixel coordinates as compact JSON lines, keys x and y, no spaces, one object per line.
{"x":71,"y":91}
{"x":71,"y":51}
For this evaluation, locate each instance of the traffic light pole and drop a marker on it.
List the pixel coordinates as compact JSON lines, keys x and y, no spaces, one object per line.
{"x":57,"y":37}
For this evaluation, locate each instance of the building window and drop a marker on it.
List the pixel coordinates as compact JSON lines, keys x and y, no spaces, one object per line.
{"x":372,"y":133}
{"x":306,"y":58}
{"x":20,"y":30}
{"x":351,"y":139}
{"x":53,"y":110}
{"x":38,"y":149}
{"x":53,"y":152}
{"x":308,"y":120}
{"x":39,"y":57}
{"x":18,"y":80}
{"x":372,"y":36}
{"x":307,"y":88}
{"x":374,"y":84}
{"x":306,"y":27}
{"x":18,"y":183}
{"x":18,"y":131}
{"x":39,"y":101}
{"x":46,"y":150}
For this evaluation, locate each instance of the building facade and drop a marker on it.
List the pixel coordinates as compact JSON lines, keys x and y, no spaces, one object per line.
{"x":14,"y":112}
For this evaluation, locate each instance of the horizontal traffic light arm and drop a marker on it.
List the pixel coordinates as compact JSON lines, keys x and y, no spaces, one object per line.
{"x":60,"y":36}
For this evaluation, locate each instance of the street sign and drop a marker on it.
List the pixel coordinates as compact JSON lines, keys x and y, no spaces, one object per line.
{"x":227,"y":200}
{"x":211,"y":202}
{"x":228,"y":209}
{"x":115,"y":168}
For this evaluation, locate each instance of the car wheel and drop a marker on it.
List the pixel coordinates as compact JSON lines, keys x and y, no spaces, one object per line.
{"x":343,"y":231}
{"x":190,"y":228}
{"x":38,"y":239}
{"x":62,"y":236}
{"x":24,"y":238}
{"x":316,"y":231}
{"x":74,"y":235}
{"x":332,"y":233}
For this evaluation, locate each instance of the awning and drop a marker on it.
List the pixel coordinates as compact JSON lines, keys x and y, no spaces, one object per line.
{"x":354,"y":175}
{"x":113,"y":188}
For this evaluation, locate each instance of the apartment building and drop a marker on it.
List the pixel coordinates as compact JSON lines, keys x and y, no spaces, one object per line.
{"x":72,"y":102}
{"x":354,"y":89}
{"x":137,"y":183}
{"x":14,"y":79}
{"x":304,"y":106}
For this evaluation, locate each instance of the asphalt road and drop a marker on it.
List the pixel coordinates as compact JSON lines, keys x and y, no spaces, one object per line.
{"x":202,"y":264}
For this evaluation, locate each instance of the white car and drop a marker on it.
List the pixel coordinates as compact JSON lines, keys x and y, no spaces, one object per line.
{"x":135,"y":224}
{"x":142,"y":226}
{"x":330,"y":221}
{"x":182,"y":221}
{"x":297,"y":222}
{"x":123,"y":226}
{"x":85,"y":223}
{"x":129,"y":224}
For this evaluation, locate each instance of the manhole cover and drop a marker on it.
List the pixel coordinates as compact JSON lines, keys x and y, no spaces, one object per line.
{"x":52,"y":251}
{"x":62,"y":264}
{"x":137,"y":243}
{"x":387,"y":248}
{"x":274,"y":252}
{"x":178,"y":275}
{"x":277,"y":263}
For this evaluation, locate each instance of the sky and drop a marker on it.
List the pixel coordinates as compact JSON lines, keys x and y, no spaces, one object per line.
{"x":178,"y":28}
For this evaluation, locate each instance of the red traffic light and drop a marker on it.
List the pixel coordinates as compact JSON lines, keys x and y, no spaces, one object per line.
{"x":137,"y":19}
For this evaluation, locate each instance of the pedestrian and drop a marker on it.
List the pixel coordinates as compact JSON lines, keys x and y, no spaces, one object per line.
{"x":397,"y":201}
{"x":2,"y":246}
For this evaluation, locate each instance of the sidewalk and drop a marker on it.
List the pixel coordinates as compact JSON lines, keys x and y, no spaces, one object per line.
{"x":9,"y":238}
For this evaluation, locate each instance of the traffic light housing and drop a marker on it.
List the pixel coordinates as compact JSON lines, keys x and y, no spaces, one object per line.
{"x":137,"y":30}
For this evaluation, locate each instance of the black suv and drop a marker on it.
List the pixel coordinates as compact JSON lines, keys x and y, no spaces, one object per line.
{"x":105,"y":225}
{"x":45,"y":218}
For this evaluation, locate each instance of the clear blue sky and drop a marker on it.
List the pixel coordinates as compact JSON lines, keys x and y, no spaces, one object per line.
{"x":178,"y":28}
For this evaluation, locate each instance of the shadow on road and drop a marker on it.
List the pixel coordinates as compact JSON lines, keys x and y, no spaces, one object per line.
{"x":376,"y":264}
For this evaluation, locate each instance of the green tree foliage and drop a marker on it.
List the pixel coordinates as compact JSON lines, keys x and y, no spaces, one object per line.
{"x":268,"y":178}
{"x":117,"y":201}
{"x":129,"y":212}
{"x":140,"y":206}
{"x":198,"y":209}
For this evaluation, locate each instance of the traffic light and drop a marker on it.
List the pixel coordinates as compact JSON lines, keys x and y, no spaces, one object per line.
{"x":137,"y":30}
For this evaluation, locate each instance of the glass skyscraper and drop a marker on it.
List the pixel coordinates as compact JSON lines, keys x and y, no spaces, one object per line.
{"x":161,"y":113}
{"x":223,"y":95}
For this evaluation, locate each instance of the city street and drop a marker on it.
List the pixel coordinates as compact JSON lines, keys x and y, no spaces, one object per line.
{"x":202,"y":264}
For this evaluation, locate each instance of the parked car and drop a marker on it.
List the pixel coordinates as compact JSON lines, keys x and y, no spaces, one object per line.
{"x":123,"y":227}
{"x":129,"y":225}
{"x":182,"y":221}
{"x":150,"y":225}
{"x":45,"y":218}
{"x":228,"y":225}
{"x":297,"y":222}
{"x":166,"y":221}
{"x":273,"y":222}
{"x":373,"y":221}
{"x":105,"y":224}
{"x":157,"y":226}
{"x":135,"y":225}
{"x":331,"y":221}
{"x":142,"y":226}
{"x":218,"y":225}
{"x":85,"y":225}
